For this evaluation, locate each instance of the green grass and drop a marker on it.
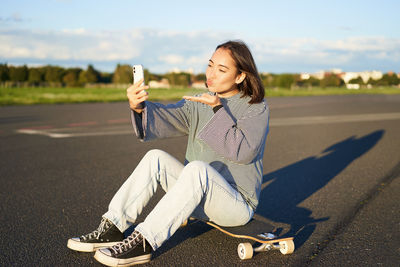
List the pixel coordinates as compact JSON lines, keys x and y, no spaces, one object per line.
{"x":47,"y":95}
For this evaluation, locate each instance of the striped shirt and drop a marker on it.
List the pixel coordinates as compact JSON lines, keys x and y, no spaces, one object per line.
{"x":231,"y":140}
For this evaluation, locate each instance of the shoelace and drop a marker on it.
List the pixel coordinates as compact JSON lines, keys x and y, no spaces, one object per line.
{"x":129,"y":242}
{"x":104,"y":225}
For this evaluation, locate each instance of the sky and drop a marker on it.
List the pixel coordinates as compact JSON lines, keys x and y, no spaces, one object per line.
{"x":284,"y":36}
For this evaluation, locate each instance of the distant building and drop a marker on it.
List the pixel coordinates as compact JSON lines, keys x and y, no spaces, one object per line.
{"x":164,"y":83}
{"x":199,"y":85}
{"x":374,"y":75}
{"x":336,"y":71}
{"x":177,"y":70}
{"x":354,"y":86}
{"x":345,"y":76}
{"x":365,"y":76}
{"x":319,"y":74}
{"x":348,"y":76}
{"x":305,"y":76}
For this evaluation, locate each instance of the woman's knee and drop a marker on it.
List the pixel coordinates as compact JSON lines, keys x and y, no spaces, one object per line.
{"x":155,"y":153}
{"x":197,"y":171}
{"x":197,"y":165}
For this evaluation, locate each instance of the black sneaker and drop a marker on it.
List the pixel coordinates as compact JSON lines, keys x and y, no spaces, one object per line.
{"x":131,"y":251}
{"x":106,"y":235}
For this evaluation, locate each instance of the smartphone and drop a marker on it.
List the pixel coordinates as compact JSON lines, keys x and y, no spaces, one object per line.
{"x":138,"y":73}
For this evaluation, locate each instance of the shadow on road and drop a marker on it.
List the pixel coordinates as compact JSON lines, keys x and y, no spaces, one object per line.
{"x":283,"y":190}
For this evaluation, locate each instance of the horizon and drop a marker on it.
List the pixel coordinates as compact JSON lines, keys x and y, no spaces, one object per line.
{"x":284,"y":37}
{"x":336,"y":71}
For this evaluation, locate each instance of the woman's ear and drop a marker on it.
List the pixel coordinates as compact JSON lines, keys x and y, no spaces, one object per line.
{"x":240,"y":78}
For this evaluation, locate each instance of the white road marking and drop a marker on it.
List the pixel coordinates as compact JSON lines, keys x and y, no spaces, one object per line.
{"x":275,"y":122}
{"x":78,"y":134}
{"x":80,"y":131}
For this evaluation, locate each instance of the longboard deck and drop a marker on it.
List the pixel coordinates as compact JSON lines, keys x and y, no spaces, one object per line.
{"x":252,"y":230}
{"x":257,"y":230}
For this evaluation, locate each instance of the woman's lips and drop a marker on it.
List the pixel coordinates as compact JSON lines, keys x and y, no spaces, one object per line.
{"x":209,"y":83}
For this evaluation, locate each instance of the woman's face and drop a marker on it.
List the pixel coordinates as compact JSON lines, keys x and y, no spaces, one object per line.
{"x":222,"y":74}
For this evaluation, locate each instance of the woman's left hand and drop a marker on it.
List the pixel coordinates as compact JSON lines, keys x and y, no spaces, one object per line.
{"x":211,"y":100}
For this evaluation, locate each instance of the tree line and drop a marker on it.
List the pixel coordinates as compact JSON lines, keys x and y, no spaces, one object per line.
{"x":290,"y":81}
{"x":56,"y":76}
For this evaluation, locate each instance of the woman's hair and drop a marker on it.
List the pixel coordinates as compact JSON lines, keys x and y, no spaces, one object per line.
{"x":252,"y":85}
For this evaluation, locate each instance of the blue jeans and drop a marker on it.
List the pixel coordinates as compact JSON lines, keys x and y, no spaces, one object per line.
{"x":196,"y":189}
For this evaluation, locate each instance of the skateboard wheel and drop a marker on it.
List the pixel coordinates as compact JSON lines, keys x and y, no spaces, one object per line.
{"x":286,"y":247}
{"x":245,"y":251}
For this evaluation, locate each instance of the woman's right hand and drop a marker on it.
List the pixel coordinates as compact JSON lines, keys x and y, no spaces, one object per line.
{"x":137,"y":95}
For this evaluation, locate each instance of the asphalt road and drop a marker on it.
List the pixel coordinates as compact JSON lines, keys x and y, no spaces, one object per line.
{"x":331,"y":170}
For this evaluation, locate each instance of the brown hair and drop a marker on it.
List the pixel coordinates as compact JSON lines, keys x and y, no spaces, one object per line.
{"x":252,"y":85}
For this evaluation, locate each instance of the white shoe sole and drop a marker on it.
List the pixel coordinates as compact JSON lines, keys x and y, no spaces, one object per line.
{"x":110,"y":261}
{"x":88,"y":247}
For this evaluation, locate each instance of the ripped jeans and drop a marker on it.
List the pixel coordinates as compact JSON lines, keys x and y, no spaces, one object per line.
{"x":196,"y":189}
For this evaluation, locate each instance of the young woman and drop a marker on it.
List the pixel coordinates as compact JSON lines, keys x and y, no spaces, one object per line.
{"x":221,"y":178}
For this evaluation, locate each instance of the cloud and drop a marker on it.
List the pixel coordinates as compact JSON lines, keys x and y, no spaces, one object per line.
{"x":157,"y":50}
{"x":310,"y":54}
{"x":172,"y":59}
{"x":161,"y":51}
{"x":16,"y":17}
{"x":77,"y":44}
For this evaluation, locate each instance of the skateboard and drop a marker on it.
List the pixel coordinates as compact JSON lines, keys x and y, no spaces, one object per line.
{"x":255,"y":230}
